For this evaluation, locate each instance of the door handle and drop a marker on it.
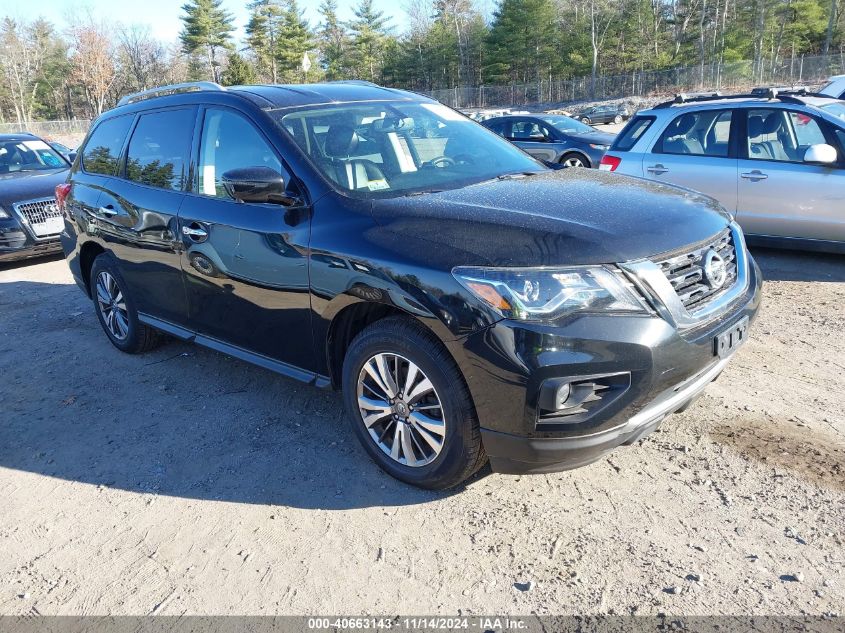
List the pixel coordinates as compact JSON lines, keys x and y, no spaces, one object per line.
{"x":754,"y":175}
{"x":657,"y":169}
{"x":195,"y":232}
{"x":108,"y":211}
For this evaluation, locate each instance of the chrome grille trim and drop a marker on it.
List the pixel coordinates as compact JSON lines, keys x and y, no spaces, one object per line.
{"x":686,"y":272}
{"x":654,"y":283}
{"x":36,"y":212}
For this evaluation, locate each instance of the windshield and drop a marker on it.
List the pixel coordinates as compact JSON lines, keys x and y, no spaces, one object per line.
{"x":567,"y":125}
{"x":836,"y":108}
{"x":28,"y":155}
{"x":387,"y":149}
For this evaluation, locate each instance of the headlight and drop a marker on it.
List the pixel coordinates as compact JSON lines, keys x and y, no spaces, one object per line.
{"x":603,"y":148}
{"x":3,"y":214}
{"x":534,"y":294}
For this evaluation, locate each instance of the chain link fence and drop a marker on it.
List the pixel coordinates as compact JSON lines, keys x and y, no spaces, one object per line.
{"x":74,"y":127}
{"x":727,"y":77}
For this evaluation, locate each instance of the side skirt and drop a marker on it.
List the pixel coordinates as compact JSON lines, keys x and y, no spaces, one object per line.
{"x":276,"y":366}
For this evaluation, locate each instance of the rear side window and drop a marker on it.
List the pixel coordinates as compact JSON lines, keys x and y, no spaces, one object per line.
{"x":705,"y":133}
{"x":632,"y":133}
{"x":159,"y":151}
{"x":102,"y":151}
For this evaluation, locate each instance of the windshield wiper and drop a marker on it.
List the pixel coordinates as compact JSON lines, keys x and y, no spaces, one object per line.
{"x":517,"y":175}
{"x":423,"y":192}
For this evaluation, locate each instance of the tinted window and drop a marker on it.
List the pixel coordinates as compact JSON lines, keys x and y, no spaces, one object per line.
{"x":159,"y":149}
{"x":632,"y":133}
{"x":102,"y":151}
{"x":229,"y":141}
{"x":703,"y":133}
{"x":529,"y":131}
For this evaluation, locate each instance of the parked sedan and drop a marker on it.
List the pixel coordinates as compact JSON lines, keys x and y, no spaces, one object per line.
{"x":603,"y":114}
{"x":554,"y":138}
{"x":30,"y":222}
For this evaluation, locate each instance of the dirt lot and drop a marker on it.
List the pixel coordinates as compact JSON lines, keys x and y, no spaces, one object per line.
{"x":184,"y":481}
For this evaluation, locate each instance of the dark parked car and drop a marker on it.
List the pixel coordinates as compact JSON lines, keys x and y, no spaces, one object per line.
{"x":554,"y":138}
{"x":603,"y":114}
{"x":469,"y":301}
{"x":30,"y":221}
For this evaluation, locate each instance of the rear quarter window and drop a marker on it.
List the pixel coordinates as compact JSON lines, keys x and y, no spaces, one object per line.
{"x":101,"y":154}
{"x":632,"y":133}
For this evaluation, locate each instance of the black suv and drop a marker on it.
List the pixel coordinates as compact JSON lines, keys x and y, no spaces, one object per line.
{"x":469,"y":301}
{"x":603,"y":114}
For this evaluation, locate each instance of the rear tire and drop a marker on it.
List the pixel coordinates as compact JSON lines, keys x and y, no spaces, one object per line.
{"x":574,"y":160}
{"x":116,"y":311}
{"x":377,"y":366}
{"x":585,"y":121}
{"x":617,"y":119}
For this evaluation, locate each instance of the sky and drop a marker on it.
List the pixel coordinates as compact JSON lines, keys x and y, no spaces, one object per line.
{"x":163,"y":15}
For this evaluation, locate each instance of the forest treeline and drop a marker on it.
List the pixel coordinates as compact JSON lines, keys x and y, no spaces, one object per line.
{"x":52,"y":71}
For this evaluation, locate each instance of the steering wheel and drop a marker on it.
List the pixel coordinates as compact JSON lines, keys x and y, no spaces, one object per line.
{"x":442,"y":162}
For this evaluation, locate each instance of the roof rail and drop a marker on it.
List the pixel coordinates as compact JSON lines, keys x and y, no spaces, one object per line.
{"x":355,"y":82}
{"x":790,"y":95}
{"x":172,"y":89}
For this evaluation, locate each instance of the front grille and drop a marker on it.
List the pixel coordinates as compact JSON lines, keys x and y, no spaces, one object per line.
{"x":686,"y":272}
{"x":39,"y":211}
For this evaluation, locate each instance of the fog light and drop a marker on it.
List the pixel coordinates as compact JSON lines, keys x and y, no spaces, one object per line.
{"x":574,"y":399}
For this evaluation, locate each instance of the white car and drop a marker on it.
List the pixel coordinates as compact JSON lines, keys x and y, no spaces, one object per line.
{"x":835,"y":87}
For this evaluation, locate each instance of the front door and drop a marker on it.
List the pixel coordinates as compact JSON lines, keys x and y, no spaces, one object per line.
{"x":245,"y":265}
{"x":533,"y":137}
{"x":696,"y":151}
{"x":779,"y":194}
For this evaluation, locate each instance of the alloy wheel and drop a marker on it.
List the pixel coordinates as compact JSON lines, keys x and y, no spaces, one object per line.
{"x":573,"y":161}
{"x":401,"y":409}
{"x":112,"y":306}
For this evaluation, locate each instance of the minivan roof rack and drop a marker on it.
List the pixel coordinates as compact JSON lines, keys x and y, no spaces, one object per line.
{"x":172,"y":89}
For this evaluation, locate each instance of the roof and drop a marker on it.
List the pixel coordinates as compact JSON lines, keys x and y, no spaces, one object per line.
{"x":759,"y":96}
{"x":278,"y":96}
{"x":17,"y":136}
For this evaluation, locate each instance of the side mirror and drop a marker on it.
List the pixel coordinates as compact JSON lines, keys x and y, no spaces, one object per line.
{"x":256,"y":184}
{"x":821,"y":154}
{"x":71,"y":156}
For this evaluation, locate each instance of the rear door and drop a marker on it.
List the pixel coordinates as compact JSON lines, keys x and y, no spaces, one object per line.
{"x":697,"y":151}
{"x":245,"y":265}
{"x":137,"y":213}
{"x":780,"y":194}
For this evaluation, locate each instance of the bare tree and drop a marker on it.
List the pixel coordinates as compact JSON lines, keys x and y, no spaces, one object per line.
{"x":142,"y":58}
{"x":93,"y":66}
{"x":22,"y":59}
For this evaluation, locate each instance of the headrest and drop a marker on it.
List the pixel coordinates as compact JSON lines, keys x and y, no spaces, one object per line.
{"x":755,"y":126}
{"x":772,"y":123}
{"x":341,"y":141}
{"x":685,"y":124}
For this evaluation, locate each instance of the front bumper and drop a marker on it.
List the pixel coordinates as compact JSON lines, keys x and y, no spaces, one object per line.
{"x":17,"y":244}
{"x":508,"y":363}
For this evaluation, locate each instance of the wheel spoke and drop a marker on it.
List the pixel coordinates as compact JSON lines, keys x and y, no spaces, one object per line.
{"x":386,"y":377}
{"x":122,"y":322}
{"x":407,"y":446}
{"x":421,"y":389}
{"x":394,"y":449}
{"x":430,"y":424}
{"x":102,"y":294}
{"x":410,"y":378}
{"x":432,"y":441}
{"x":373,"y":372}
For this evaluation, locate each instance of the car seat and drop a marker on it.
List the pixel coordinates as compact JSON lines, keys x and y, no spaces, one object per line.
{"x":351,"y":173}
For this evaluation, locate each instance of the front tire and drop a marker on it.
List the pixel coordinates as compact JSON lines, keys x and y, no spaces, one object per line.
{"x":116,"y":310}
{"x":617,"y":119}
{"x":409,"y":406}
{"x":585,"y":121}
{"x":574,"y":160}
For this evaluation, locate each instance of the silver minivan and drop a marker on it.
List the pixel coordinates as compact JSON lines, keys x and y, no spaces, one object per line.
{"x":776,"y":161}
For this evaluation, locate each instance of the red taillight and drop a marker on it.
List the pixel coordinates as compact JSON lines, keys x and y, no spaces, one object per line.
{"x":62,"y":192}
{"x":609,"y":163}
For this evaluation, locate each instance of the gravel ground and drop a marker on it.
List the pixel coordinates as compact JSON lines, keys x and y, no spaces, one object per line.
{"x":184,"y":481}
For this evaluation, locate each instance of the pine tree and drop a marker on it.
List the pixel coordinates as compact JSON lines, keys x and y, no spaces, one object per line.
{"x":207,"y":27}
{"x":239,"y":72}
{"x":262,"y":35}
{"x":294,"y":42}
{"x":333,"y":41}
{"x":369,"y":33}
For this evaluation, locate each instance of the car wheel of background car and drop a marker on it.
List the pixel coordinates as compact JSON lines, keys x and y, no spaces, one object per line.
{"x":585,"y":121}
{"x":409,"y":406}
{"x":617,"y":119}
{"x":574,"y":160}
{"x":116,"y":311}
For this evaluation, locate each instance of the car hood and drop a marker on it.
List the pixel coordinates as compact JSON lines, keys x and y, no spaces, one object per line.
{"x":29,"y":185}
{"x":598,"y":138}
{"x":565,"y":217}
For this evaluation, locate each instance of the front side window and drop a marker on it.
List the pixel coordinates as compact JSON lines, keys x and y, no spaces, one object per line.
{"x":781,"y":135}
{"x":102,"y":151}
{"x":28,"y":155}
{"x":395,"y":148}
{"x":159,"y":150}
{"x":705,"y":133}
{"x":529,"y":131}
{"x":228,"y":142}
